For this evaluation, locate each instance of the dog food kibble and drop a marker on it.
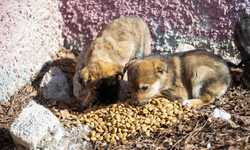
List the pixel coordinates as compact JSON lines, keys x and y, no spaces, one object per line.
{"x":118,"y":121}
{"x":67,"y":124}
{"x":125,"y":142}
{"x":147,"y":132}
{"x":104,"y":144}
{"x":78,"y":124}
{"x":100,"y":138}
{"x":87,"y":139}
{"x":113,"y":141}
{"x":92,"y":133}
{"x":93,"y":138}
{"x":57,"y":114}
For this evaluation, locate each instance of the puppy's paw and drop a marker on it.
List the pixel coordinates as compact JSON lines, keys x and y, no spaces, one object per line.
{"x":186,"y":103}
{"x":193,"y":102}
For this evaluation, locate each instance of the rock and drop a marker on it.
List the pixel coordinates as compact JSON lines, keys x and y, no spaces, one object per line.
{"x":74,"y":138}
{"x":36,"y":127}
{"x":241,"y":40}
{"x":184,"y":48}
{"x":54,"y":85}
{"x":208,"y":145}
{"x":220,"y":113}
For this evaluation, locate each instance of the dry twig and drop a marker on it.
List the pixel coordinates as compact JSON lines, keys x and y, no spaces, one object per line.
{"x":243,"y":138}
{"x":34,"y":93}
{"x":191,"y":134}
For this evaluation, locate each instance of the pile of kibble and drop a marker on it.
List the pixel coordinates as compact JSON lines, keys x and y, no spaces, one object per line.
{"x":118,"y":121}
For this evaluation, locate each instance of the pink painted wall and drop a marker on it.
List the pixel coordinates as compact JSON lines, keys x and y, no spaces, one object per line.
{"x":211,"y":19}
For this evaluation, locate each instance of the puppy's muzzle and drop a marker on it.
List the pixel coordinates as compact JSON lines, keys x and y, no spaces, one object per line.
{"x":135,"y":101}
{"x":139,"y":102}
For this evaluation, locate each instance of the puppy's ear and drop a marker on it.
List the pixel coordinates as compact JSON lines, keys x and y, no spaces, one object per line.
{"x":119,"y":75}
{"x":128,"y":65}
{"x":119,"y":71}
{"x":84,"y":77}
{"x":160,"y":67}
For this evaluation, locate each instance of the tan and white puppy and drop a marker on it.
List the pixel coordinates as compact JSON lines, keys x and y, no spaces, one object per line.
{"x":193,"y":78}
{"x":122,"y":40}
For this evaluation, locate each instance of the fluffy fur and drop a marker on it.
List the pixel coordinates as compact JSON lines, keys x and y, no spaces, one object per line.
{"x":193,"y":78}
{"x":124,"y":39}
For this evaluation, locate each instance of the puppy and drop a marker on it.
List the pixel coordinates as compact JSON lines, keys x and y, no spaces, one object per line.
{"x":242,"y":42}
{"x":193,"y":78}
{"x":124,"y":39}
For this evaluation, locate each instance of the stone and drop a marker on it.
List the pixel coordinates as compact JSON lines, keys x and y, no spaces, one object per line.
{"x":220,"y":113}
{"x":54,"y":85}
{"x":36,"y":127}
{"x":74,"y":138}
{"x":184,"y":48}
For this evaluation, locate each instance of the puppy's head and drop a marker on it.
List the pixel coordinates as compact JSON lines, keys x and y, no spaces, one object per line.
{"x":145,"y":78}
{"x":102,"y":80}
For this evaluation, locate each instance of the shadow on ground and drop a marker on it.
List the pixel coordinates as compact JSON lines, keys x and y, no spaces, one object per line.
{"x":64,"y":60}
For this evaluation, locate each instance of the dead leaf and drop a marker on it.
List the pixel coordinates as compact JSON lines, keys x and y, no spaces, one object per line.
{"x":247,"y":140}
{"x":167,"y":142}
{"x":233,"y":125}
{"x":138,"y":145}
{"x":230,"y":142}
{"x":202,"y":148}
{"x":34,"y":93}
{"x":29,"y":88}
{"x":189,"y":147}
{"x":53,"y":102}
{"x":233,"y":148}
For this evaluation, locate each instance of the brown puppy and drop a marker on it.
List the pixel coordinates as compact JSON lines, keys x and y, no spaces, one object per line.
{"x":119,"y":42}
{"x":193,"y":78}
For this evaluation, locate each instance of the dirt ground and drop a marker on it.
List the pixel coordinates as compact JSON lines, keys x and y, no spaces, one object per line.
{"x":198,"y":133}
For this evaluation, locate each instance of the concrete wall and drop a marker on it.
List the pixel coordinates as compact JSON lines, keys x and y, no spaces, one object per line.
{"x":31,"y":31}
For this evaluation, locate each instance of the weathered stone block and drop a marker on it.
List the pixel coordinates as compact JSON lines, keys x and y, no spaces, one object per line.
{"x":54,"y":85}
{"x":36,"y":127}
